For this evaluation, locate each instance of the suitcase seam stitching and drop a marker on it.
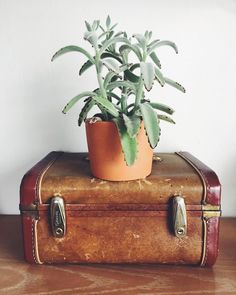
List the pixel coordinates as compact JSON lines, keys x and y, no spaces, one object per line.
{"x":33,"y":242}
{"x":207,"y":240}
{"x":38,"y":198}
{"x":41,"y":175}
{"x":200,"y":173}
{"x":203,"y":259}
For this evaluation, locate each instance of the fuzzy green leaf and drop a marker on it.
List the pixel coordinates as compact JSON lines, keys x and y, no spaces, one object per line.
{"x":111,"y":94}
{"x":105,"y":103}
{"x":132,"y":124}
{"x":155,"y":59}
{"x":109,"y":54}
{"x":115,"y":78}
{"x":116,"y":84}
{"x":95,"y":25}
{"x":165,"y":118}
{"x":89,"y":28}
{"x":119,"y":34}
{"x":110,"y":34}
{"x":148,"y":74}
{"x":159,"y":76}
{"x":101,"y":27}
{"x":73,"y":48}
{"x":124,"y":51}
{"x":109,"y":42}
{"x":112,"y":27}
{"x":102,"y":35}
{"x":141,"y":40}
{"x":124,"y":67}
{"x":133,"y":48}
{"x":162,"y":107}
{"x":161,"y":43}
{"x":128,"y":144}
{"x":88,"y":63}
{"x":153,"y":42}
{"x":174,"y":84}
{"x":77,"y":98}
{"x":151,"y":124}
{"x":112,"y":65}
{"x":84,"y":112}
{"x":150,"y":35}
{"x":131,"y":77}
{"x":134,"y":67}
{"x":91,"y":37}
{"x":108,"y":21}
{"x":108,"y":78}
{"x":85,"y":66}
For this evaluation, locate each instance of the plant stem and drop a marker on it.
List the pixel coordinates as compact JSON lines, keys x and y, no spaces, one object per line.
{"x":139,"y":93}
{"x":123,"y":100}
{"x":100,"y":82}
{"x":99,"y":76}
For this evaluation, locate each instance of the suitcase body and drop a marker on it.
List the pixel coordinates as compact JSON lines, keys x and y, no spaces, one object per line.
{"x":172,"y":216}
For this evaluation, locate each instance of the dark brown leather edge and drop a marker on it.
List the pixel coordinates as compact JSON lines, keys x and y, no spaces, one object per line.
{"x":29,"y":183}
{"x":28,"y":235}
{"x":212,"y":241}
{"x":213,"y":187}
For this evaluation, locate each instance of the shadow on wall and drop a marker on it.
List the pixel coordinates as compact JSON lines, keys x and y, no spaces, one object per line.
{"x":41,"y":128}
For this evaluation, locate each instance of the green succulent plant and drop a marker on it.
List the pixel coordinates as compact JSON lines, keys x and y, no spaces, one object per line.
{"x":123,"y":81}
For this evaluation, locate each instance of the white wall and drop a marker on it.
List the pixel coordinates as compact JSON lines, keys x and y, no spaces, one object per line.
{"x":34,"y":90}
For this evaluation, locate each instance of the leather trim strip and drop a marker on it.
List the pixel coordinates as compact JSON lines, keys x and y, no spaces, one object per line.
{"x":212,"y":241}
{"x":210,"y":180}
{"x":204,"y":242}
{"x":40,"y":178}
{"x":28,"y":227}
{"x":28,"y":197}
{"x":35,"y":238}
{"x":211,"y":196}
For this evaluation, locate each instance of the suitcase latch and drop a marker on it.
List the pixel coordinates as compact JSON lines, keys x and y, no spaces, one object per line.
{"x":179,"y":217}
{"x":58,"y":216}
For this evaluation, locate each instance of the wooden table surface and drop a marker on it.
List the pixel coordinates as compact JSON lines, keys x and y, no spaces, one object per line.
{"x":18,"y":277}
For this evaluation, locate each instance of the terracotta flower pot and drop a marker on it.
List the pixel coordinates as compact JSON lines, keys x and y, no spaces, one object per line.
{"x":106,"y":156}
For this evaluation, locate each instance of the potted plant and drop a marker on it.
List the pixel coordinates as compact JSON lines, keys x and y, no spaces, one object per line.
{"x":122,"y":136}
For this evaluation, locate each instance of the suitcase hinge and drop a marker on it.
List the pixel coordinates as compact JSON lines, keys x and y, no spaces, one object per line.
{"x":209,"y":207}
{"x":179,"y":217}
{"x":210,"y":214}
{"x":29,"y":210}
{"x":58,"y":216}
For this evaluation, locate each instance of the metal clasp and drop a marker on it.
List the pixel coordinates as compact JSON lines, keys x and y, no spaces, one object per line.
{"x":58,"y":216}
{"x":179,"y":217}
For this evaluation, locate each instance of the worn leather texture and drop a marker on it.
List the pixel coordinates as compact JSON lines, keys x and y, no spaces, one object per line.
{"x":117,"y":222}
{"x":133,"y":237}
{"x":71,"y":177}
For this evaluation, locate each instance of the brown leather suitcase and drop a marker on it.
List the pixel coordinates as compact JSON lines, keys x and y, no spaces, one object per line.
{"x":172,"y":216}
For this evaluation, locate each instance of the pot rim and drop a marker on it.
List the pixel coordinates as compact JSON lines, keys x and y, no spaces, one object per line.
{"x":99,"y":122}
{"x":103,"y":122}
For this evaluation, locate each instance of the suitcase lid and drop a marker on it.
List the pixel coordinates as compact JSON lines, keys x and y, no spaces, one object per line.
{"x":68,"y":175}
